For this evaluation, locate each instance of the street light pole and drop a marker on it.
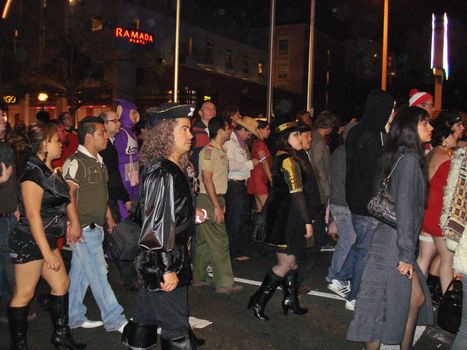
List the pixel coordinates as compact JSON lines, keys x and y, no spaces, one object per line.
{"x":271,"y":58}
{"x":385,"y":46}
{"x":311,"y":44}
{"x":177,"y":42}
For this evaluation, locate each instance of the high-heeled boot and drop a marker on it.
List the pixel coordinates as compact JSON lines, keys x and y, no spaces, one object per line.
{"x":185,"y":342}
{"x":18,"y":322}
{"x":290,"y":301}
{"x":61,"y":336}
{"x":259,"y":300}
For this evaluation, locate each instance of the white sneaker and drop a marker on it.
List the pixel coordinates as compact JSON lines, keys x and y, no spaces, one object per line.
{"x":339,"y":287}
{"x":350,"y":305}
{"x":91,"y":324}
{"x":122,"y":327}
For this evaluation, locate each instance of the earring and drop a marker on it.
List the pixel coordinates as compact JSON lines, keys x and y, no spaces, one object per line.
{"x":46,"y":153}
{"x":445,"y":143}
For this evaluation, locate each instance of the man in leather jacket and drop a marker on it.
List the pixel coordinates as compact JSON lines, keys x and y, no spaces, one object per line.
{"x":166,"y":213}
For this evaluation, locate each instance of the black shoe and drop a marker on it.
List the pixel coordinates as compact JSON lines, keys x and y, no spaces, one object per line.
{"x":61,"y":336}
{"x":18,"y":322}
{"x":290,"y":301}
{"x":259,"y":300}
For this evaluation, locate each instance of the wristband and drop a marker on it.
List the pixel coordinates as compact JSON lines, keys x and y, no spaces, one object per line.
{"x":262,"y":159}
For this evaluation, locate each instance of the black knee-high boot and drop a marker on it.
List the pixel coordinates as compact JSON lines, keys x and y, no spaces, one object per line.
{"x":18,"y":322}
{"x":61,"y":336}
{"x":139,"y":336}
{"x":259,"y":300}
{"x":290,"y":286}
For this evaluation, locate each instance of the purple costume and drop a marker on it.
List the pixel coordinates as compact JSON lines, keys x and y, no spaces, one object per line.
{"x":126,"y":144}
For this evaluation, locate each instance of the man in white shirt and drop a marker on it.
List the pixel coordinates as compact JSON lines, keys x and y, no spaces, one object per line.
{"x":240,"y":165}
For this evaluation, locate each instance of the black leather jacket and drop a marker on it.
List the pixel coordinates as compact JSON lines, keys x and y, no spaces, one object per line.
{"x":166,"y":213}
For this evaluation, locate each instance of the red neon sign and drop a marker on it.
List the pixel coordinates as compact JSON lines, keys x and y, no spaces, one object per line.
{"x":134,"y":36}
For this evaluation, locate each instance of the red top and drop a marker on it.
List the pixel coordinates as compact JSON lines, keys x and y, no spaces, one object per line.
{"x":434,"y":203}
{"x":68,"y":148}
{"x":257,"y":183}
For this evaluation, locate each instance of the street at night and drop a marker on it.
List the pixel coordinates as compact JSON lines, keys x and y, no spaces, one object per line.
{"x":233,"y":326}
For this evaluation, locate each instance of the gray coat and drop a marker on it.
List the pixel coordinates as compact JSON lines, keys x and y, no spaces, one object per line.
{"x":383,"y":301}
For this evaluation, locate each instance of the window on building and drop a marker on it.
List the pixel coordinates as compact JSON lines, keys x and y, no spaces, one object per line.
{"x":246,"y":64}
{"x":189,"y":48}
{"x":228,"y":59}
{"x":209,"y":52}
{"x":97,"y":24}
{"x":260,"y":69}
{"x":283,"y":47}
{"x":283,"y":70}
{"x":135,"y":24}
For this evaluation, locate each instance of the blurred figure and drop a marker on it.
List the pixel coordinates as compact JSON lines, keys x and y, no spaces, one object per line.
{"x":67,"y":137}
{"x":231,"y":115}
{"x":304,"y":117}
{"x":200,"y":131}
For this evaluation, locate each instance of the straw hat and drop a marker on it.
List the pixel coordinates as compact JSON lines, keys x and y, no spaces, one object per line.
{"x":251,"y":125}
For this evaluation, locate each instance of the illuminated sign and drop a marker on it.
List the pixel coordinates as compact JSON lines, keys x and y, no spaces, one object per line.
{"x":134,"y":36}
{"x":9,"y":99}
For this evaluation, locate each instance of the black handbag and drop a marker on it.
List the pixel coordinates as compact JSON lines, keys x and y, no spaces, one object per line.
{"x":381,"y":206}
{"x":450,"y":308}
{"x":124,"y":240}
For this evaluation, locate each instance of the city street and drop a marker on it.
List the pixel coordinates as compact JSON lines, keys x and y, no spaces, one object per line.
{"x":233,"y":326}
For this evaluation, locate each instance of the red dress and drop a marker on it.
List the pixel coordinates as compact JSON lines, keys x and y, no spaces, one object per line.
{"x":258,"y":181}
{"x":434,"y":203}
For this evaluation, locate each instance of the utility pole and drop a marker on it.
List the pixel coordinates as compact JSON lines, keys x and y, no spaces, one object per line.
{"x":384,"y":59}
{"x":271,"y":59}
{"x":177,"y":43}
{"x":311,"y":58}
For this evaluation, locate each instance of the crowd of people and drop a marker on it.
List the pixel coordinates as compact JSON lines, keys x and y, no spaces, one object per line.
{"x":193,"y":179}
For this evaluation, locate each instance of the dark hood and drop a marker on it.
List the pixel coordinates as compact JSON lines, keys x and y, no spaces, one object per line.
{"x":378,"y":107}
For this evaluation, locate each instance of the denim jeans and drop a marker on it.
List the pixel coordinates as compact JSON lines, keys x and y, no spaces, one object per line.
{"x":89,"y":269}
{"x":343,"y":219}
{"x":7,"y":276}
{"x":237,"y":210}
{"x":460,"y":343}
{"x":352,"y":269}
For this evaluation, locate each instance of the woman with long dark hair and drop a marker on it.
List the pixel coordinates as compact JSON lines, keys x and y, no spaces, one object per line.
{"x":287,"y":224}
{"x":393,"y":295}
{"x":44,"y":204}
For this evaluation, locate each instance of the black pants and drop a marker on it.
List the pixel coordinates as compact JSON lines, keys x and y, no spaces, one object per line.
{"x":167,"y":310}
{"x":237,"y":210}
{"x":126,"y":268}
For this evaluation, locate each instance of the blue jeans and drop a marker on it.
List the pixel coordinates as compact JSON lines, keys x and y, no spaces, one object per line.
{"x":364,"y":227}
{"x":460,"y":343}
{"x":7,"y":276}
{"x":89,"y":269}
{"x":343,"y":219}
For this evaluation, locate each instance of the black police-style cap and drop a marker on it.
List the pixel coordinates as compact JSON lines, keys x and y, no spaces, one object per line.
{"x":168,"y":111}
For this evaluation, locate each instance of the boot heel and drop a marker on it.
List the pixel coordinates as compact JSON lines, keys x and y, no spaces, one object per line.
{"x":250,"y":303}
{"x":285,"y":309}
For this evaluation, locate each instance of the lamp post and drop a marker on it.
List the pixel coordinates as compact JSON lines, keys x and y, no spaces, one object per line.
{"x":271,"y":59}
{"x":43,"y":97}
{"x":385,"y":46}
{"x":177,"y":43}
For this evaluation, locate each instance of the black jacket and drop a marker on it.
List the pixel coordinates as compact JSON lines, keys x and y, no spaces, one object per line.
{"x":166,"y":213}
{"x":363,"y":147}
{"x":114,"y":184}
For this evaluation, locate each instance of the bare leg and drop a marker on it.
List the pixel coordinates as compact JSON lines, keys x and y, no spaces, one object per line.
{"x":260,"y":200}
{"x":285,"y":263}
{"x":26,"y":278}
{"x":374,"y":345}
{"x":435,"y":266}
{"x":445,"y":271}
{"x":426,"y":254}
{"x":417,"y":298}
{"x":57,"y":280}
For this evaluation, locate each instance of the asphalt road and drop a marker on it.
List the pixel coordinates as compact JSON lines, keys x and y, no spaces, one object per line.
{"x":233,"y":326}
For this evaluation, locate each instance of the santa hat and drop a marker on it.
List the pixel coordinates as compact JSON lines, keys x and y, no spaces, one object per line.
{"x":418,"y":97}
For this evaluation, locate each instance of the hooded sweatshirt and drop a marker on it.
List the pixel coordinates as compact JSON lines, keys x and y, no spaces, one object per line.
{"x":363,"y":147}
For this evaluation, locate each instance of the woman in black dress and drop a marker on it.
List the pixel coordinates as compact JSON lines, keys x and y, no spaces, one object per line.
{"x":44,"y":203}
{"x":287,"y":224}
